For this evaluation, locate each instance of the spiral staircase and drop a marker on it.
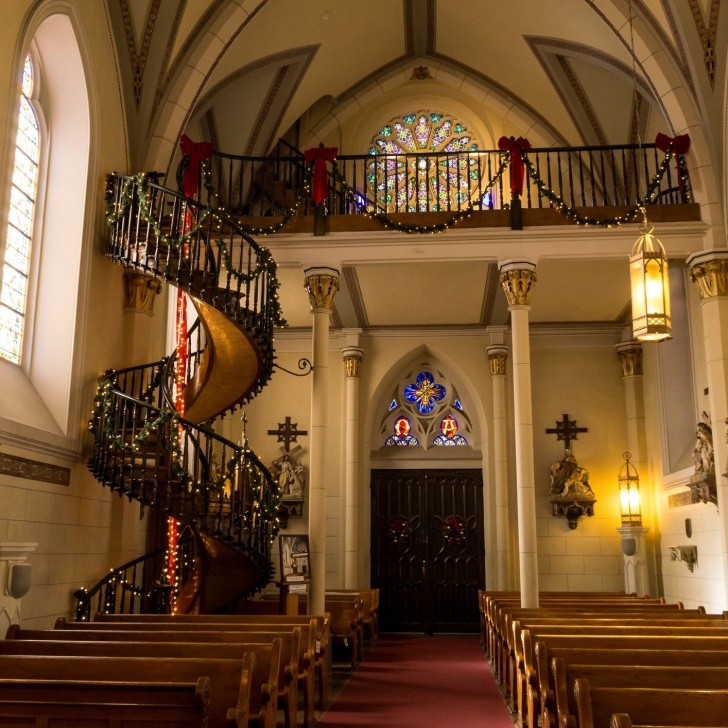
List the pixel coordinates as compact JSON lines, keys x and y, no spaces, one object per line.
{"x":143,"y":449}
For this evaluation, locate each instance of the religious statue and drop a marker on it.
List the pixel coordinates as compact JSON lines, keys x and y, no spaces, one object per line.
{"x":703,"y":450}
{"x":289,"y":475}
{"x":568,"y":480}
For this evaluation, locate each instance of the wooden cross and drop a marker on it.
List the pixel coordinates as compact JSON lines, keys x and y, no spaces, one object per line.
{"x":287,"y":432}
{"x":566,"y":430}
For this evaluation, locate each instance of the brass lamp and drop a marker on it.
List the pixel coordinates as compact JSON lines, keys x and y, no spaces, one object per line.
{"x":650,"y":287}
{"x":629,"y":493}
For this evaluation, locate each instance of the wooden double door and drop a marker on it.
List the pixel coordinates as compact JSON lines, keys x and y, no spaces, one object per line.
{"x":428,"y":549}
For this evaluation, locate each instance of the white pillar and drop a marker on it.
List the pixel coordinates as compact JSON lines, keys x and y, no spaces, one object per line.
{"x":518,"y":278}
{"x":321,"y":284}
{"x":352,"y":362}
{"x":15,"y":581}
{"x":638,"y":552}
{"x":634,"y":550}
{"x":709,"y":270}
{"x":497,"y":356}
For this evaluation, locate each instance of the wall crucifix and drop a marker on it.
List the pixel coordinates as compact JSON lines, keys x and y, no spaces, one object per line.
{"x":566,"y":430}
{"x":287,"y":432}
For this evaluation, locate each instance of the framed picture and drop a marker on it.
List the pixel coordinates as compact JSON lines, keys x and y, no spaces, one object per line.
{"x":294,"y":558}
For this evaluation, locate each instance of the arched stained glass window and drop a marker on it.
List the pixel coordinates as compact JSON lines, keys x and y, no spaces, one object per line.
{"x":16,"y":265}
{"x":425,"y":410}
{"x":444,"y":175}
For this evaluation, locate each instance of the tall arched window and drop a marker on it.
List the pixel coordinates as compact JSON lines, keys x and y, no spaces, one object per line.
{"x":21,"y":213}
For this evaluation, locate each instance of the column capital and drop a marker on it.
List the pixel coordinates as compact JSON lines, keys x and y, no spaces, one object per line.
{"x":497,"y":356}
{"x":140,"y":290}
{"x":629,"y":354}
{"x":321,"y":284}
{"x":709,"y":271}
{"x":352,"y":356}
{"x":517,"y":278}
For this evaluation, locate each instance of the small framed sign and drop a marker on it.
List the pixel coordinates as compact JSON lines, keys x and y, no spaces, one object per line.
{"x":294,"y":558}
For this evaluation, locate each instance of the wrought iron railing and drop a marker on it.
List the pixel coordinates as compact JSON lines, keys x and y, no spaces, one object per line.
{"x":453,"y":182}
{"x":147,"y":453}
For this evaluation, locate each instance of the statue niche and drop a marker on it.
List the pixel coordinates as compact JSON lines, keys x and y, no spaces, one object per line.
{"x":289,"y":475}
{"x":571,"y":494}
{"x":702,"y":484}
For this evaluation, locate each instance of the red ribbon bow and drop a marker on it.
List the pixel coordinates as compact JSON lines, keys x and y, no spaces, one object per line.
{"x":680,"y":145}
{"x":516,"y":147}
{"x":196,"y":151}
{"x":319,"y":156}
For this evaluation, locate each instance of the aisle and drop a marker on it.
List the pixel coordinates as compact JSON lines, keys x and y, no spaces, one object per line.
{"x":421,"y":682}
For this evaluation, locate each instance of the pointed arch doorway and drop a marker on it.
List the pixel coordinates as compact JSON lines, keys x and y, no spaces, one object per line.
{"x":427,"y":548}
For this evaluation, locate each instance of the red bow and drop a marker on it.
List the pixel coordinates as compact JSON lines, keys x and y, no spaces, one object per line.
{"x":516,"y":147}
{"x":680,"y":145}
{"x":196,"y":151}
{"x":319,"y":156}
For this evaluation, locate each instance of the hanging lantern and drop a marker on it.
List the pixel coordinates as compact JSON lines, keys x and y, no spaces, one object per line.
{"x":629,"y":494}
{"x":650,"y":287}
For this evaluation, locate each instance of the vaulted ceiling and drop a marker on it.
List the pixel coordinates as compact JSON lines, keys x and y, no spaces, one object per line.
{"x":243,"y":73}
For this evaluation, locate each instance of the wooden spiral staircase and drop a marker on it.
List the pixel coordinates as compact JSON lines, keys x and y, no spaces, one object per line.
{"x":143,"y":449}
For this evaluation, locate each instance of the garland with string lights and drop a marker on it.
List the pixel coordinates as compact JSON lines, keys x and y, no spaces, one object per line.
{"x":355,"y":199}
{"x":560,"y":206}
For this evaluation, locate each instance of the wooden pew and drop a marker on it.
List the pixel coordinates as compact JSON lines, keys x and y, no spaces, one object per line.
{"x":610,"y":657}
{"x":369,"y":610}
{"x":127,"y":647}
{"x":537,"y":680}
{"x":104,"y":704}
{"x":212,"y":622}
{"x":524,"y":667}
{"x":624,"y":676}
{"x":650,"y":706}
{"x":231,"y":697}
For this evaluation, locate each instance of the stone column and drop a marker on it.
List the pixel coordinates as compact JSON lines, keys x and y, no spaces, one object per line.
{"x":321,"y":285}
{"x":140,"y":291}
{"x":352,"y":362}
{"x":635,"y":549}
{"x":518,"y":278}
{"x":498,"y":356}
{"x":709,"y":271}
{"x":15,"y":581}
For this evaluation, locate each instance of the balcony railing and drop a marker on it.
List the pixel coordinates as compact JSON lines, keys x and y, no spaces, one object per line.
{"x":628,"y":175}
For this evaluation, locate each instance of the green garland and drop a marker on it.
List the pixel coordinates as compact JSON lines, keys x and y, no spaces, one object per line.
{"x":116,"y":208}
{"x":384,"y":220}
{"x":558,"y":202}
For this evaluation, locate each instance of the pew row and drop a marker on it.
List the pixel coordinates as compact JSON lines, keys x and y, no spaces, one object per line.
{"x":226,"y":622}
{"x":650,"y":706}
{"x":230,"y":680}
{"x":103,"y":704}
{"x":258,"y":645}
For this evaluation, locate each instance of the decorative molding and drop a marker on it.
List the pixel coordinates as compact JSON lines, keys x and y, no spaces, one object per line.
{"x":711,"y":278}
{"x":630,"y":357}
{"x":321,"y":286}
{"x":357,"y":301}
{"x":518,"y":284}
{"x":581,"y":96}
{"x":138,"y":57}
{"x":352,"y":361}
{"x":34,"y":470}
{"x":677,"y":500}
{"x":707,"y":33}
{"x":140,"y":290}
{"x":270,"y":97}
{"x":497,"y":357}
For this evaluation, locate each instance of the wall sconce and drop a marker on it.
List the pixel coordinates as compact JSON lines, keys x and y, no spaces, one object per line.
{"x":629,"y":493}
{"x":688,"y":554}
{"x":650,"y":284}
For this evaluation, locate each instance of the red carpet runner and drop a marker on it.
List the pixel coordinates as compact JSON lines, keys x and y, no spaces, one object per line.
{"x":421,"y":682}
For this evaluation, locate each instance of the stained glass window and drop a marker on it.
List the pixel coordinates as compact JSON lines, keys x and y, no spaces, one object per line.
{"x":401,"y":436}
{"x":449,"y":433}
{"x":434,"y":181}
{"x":424,"y":392}
{"x":16,"y":268}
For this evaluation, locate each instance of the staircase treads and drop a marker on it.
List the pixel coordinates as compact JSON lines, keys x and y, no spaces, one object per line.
{"x":230,"y":369}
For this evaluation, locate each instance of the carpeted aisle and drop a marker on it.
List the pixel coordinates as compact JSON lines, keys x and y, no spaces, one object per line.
{"x":421,"y":682}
